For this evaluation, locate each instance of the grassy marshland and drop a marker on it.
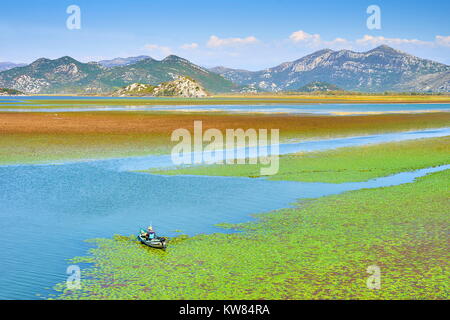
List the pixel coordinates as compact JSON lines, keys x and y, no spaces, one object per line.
{"x":40,"y":137}
{"x":341,"y":165}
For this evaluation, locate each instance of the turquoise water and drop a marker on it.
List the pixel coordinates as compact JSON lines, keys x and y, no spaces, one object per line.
{"x":47,"y":212}
{"x":268,"y":109}
{"x":329,"y":109}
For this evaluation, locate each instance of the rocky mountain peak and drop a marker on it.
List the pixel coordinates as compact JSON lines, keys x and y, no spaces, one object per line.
{"x":174,"y":58}
{"x":385,"y":48}
{"x":39,"y":62}
{"x":66,"y":59}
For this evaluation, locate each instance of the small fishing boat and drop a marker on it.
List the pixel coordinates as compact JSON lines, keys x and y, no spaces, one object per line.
{"x":157,"y":242}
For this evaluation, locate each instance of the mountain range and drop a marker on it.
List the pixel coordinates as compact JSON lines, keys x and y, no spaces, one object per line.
{"x":67,"y":75}
{"x":377,"y":70}
{"x":380,"y":69}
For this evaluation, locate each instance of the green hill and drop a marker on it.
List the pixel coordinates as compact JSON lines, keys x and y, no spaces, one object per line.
{"x":67,"y":75}
{"x":154,"y":72}
{"x":319,"y":86}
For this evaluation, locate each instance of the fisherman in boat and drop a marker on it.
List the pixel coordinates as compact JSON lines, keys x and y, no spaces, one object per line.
{"x":149,"y":238}
{"x":150,"y":233}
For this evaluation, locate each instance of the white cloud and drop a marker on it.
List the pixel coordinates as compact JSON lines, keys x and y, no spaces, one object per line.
{"x":315,"y":40}
{"x":302,"y":36}
{"x":157,"y":49}
{"x":188,"y":46}
{"x":340,"y":41}
{"x":215,"y":42}
{"x":379,"y":40}
{"x":255,"y":54}
{"x":443,"y":41}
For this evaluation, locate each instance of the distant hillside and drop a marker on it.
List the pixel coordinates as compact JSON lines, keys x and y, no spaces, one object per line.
{"x":319,"y":86}
{"x":116,"y":62}
{"x":377,"y":70}
{"x":67,"y":75}
{"x":435,"y":82}
{"x":180,"y":87}
{"x":239,"y":76}
{"x":9,"y":65}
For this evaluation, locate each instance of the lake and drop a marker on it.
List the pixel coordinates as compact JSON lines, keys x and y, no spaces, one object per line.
{"x":48,"y":210}
{"x":35,"y":104}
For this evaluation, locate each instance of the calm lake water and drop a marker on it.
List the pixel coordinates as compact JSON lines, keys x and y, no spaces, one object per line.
{"x":17,"y":104}
{"x":331,"y":109}
{"x":49,"y":210}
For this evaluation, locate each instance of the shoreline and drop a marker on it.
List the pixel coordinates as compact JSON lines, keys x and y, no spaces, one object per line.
{"x":250,"y":99}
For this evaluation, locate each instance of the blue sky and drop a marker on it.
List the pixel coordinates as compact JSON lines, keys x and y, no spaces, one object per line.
{"x":241,"y":34}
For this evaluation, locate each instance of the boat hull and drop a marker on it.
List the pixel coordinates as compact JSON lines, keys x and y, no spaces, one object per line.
{"x":154,"y":243}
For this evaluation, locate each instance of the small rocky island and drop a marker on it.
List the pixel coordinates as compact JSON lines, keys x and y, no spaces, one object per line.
{"x":182,"y":86}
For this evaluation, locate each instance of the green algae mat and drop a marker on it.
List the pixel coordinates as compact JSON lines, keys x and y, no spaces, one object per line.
{"x":320,"y":249}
